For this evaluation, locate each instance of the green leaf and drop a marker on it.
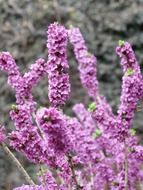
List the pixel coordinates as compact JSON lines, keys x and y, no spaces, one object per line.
{"x":97,"y":133}
{"x":121,"y":42}
{"x":92,"y":107}
{"x":133,"y":132}
{"x":41,"y":171}
{"x":129,"y":72}
{"x":71,"y":26}
{"x":14,"y":107}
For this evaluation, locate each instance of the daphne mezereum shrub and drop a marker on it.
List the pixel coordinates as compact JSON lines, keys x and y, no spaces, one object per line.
{"x":97,"y":150}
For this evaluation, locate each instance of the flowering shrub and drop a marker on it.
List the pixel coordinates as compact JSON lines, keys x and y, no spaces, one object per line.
{"x":95,"y":150}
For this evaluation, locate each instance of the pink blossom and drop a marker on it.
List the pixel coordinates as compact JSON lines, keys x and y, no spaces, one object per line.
{"x":59,"y":87}
{"x":2,"y":134}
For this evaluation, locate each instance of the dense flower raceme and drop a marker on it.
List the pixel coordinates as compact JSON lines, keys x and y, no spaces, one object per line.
{"x":84,"y":117}
{"x":132,"y":88}
{"x":26,"y":138}
{"x":64,"y":137}
{"x":87,"y":69}
{"x":31,"y":78}
{"x":87,"y":62}
{"x":115,"y":125}
{"x":54,"y":126}
{"x":2,"y":134}
{"x":59,"y":86}
{"x":96,"y":150}
{"x":22,"y":84}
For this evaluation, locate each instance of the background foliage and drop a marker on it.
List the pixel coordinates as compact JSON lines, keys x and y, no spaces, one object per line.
{"x":23,"y":27}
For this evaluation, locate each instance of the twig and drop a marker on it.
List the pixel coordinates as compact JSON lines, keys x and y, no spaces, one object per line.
{"x":42,"y":173}
{"x":77,"y":186}
{"x":17,"y":163}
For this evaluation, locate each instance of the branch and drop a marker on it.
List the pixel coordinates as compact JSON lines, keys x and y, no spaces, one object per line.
{"x":77,"y":186}
{"x":17,"y":163}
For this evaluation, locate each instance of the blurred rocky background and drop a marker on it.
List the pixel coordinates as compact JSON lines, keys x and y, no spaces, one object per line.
{"x":23,"y":26}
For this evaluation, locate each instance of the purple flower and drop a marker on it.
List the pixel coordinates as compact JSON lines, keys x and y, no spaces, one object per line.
{"x":59,"y":87}
{"x":29,"y":143}
{"x":2,"y":134}
{"x":26,"y":138}
{"x":52,"y":186}
{"x":84,"y":117}
{"x":21,"y":115}
{"x":37,"y":70}
{"x":86,"y":62}
{"x":132,"y":88}
{"x":52,"y":122}
{"x":29,"y":80}
{"x":30,"y":187}
{"x":48,"y":181}
{"x":22,"y":84}
{"x":96,"y":150}
{"x":7,"y":64}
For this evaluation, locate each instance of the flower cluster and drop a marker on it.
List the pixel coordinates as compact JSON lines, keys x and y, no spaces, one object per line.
{"x":96,"y":149}
{"x":48,"y":182}
{"x":53,"y":123}
{"x":132,"y":88}
{"x":59,"y":86}
{"x":84,"y":117}
{"x":22,"y":84}
{"x":86,"y":61}
{"x":2,"y":134}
